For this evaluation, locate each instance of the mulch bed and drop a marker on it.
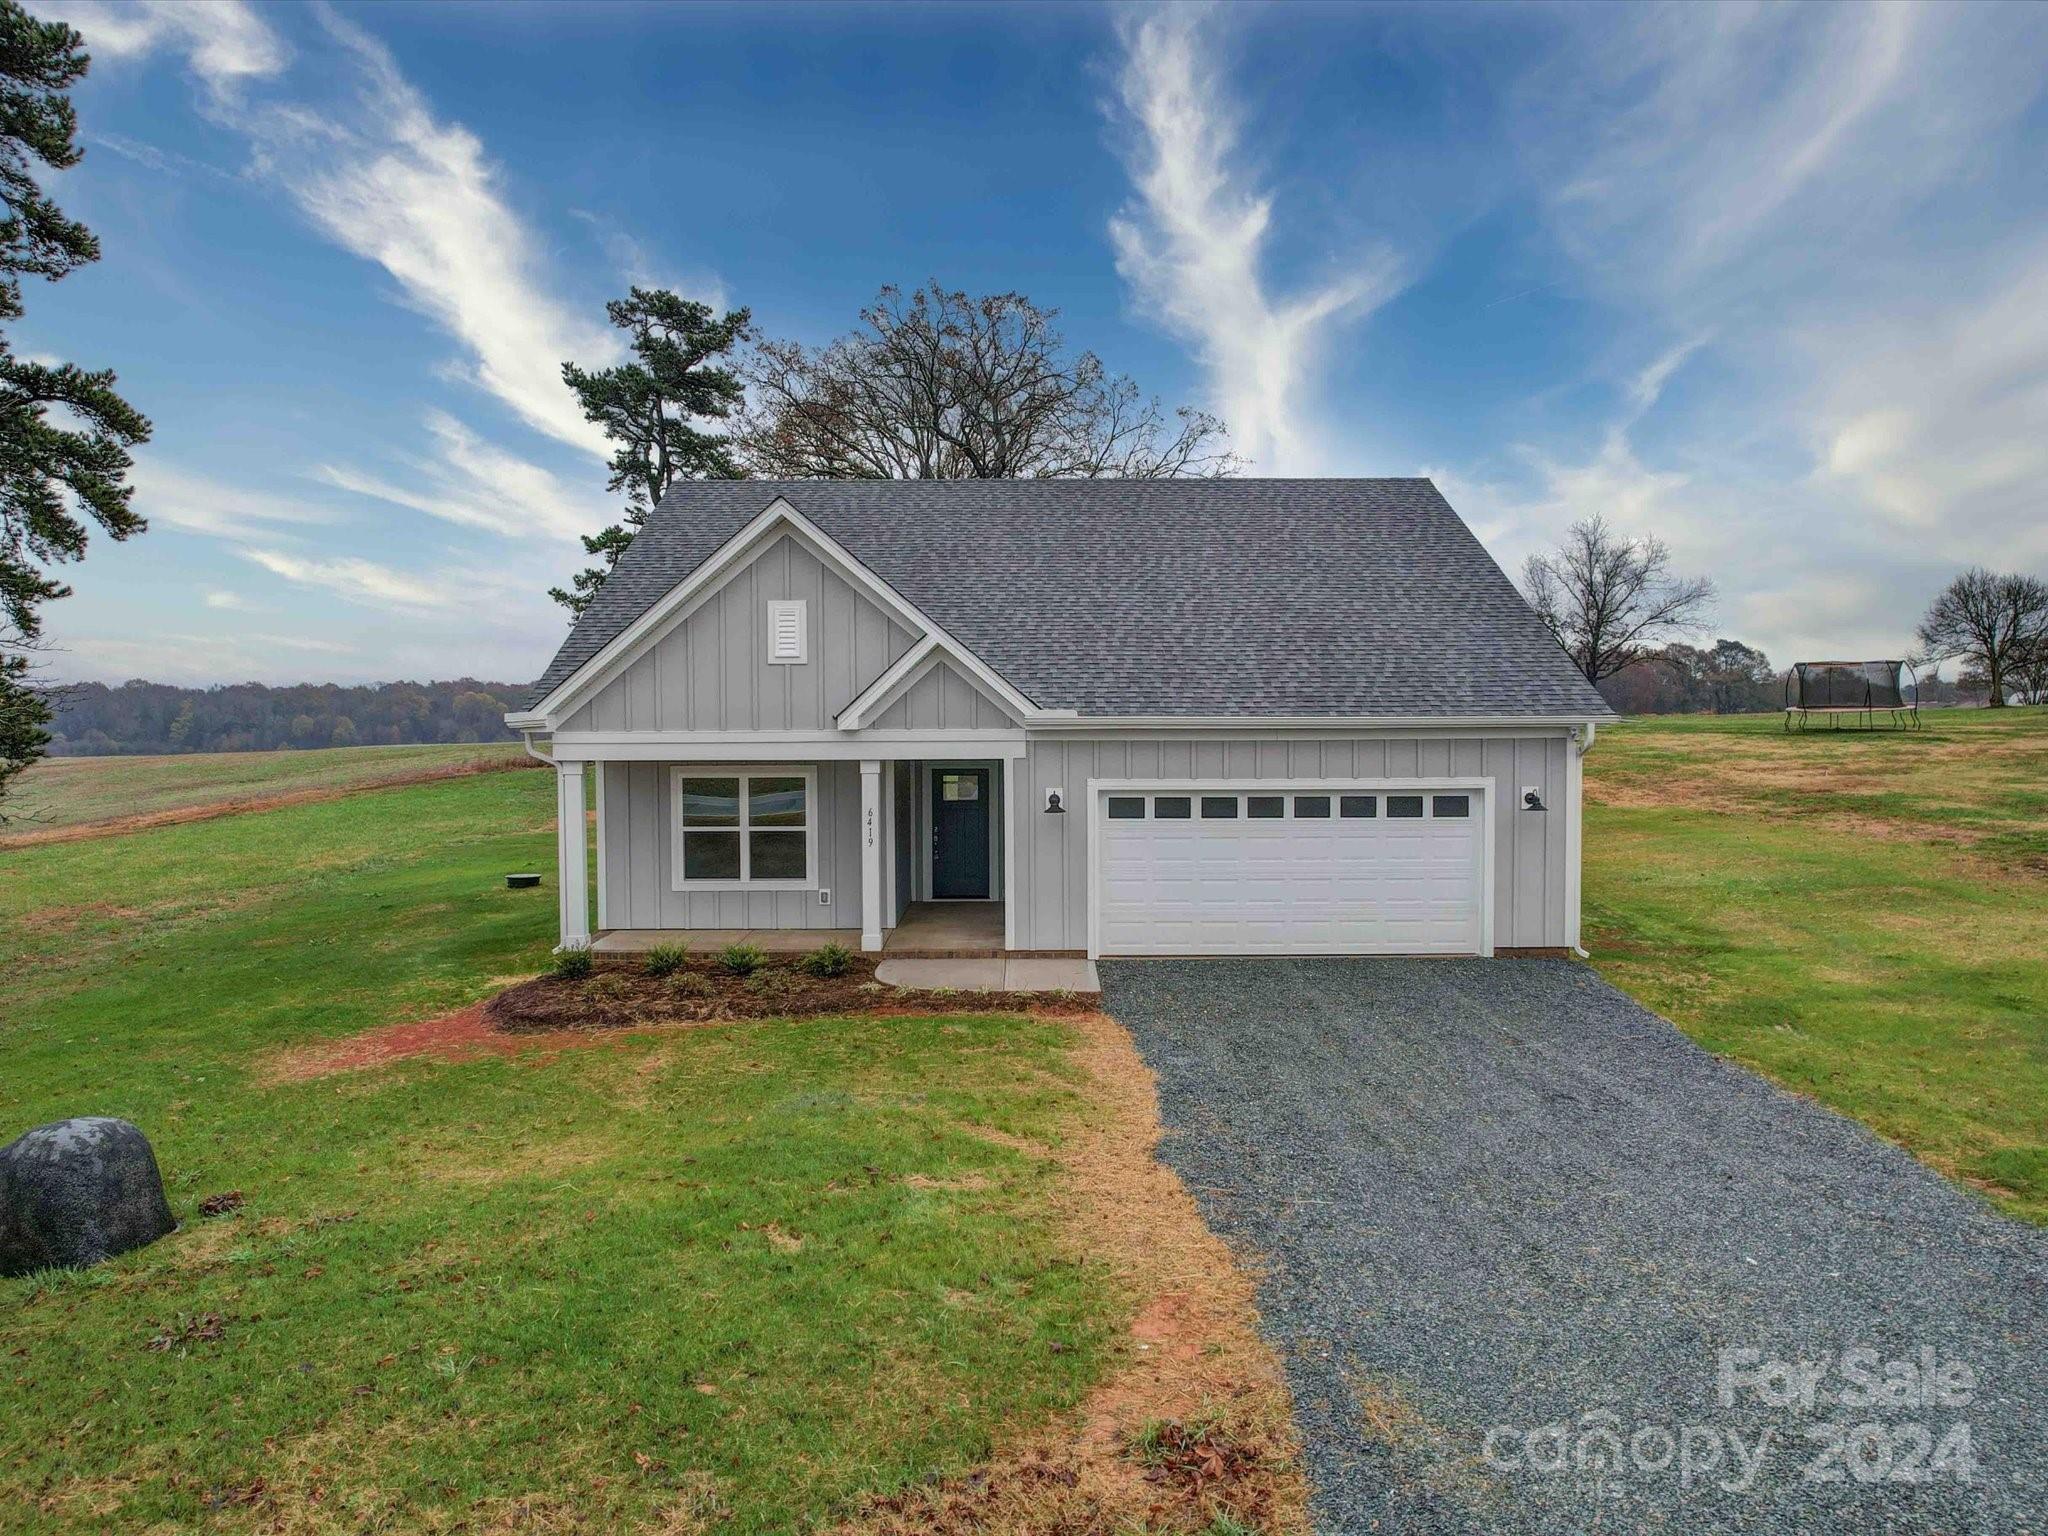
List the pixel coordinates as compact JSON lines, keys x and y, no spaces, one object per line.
{"x":618,"y":997}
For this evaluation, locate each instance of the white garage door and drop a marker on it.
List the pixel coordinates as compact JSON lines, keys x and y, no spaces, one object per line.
{"x":1240,"y":870}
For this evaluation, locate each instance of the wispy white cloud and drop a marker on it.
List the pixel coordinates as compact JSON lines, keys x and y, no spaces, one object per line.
{"x":1941,"y":428}
{"x":1191,"y":246}
{"x":226,"y":42}
{"x":642,"y":268}
{"x":476,"y":484}
{"x":198,"y":659}
{"x":1776,"y":184}
{"x":346,"y":576}
{"x":378,"y":173}
{"x":396,"y":185}
{"x":152,"y":157}
{"x":221,"y":599}
{"x":171,"y":497}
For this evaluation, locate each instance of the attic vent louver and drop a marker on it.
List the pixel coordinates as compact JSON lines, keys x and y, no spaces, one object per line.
{"x":787,"y":632}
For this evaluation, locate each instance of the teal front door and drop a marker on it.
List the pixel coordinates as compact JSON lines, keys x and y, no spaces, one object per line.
{"x":960,"y":834}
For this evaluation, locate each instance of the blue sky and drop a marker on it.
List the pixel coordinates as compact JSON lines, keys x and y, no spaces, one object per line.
{"x":1771,"y":283}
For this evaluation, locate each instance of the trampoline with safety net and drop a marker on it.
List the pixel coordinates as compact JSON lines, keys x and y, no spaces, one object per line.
{"x":1865,"y":693}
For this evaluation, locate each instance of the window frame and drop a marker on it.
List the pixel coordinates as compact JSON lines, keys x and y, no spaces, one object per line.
{"x":745,"y":773}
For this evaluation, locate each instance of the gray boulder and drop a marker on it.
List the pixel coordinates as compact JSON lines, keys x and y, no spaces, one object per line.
{"x":76,"y":1193}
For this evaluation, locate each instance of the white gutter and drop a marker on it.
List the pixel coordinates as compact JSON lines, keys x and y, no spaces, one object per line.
{"x":1301,"y":722}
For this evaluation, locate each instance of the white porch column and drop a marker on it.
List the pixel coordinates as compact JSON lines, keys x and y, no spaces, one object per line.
{"x":870,"y":854}
{"x":572,"y":866}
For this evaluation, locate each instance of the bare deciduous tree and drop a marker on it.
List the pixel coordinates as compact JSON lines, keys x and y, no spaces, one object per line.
{"x":1994,"y":623}
{"x":944,"y":386}
{"x":1610,"y":600}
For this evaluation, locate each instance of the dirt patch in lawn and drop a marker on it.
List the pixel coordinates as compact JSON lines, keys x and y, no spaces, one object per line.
{"x":1192,"y":1425}
{"x":704,"y":991}
{"x":463,"y":1034}
{"x":178,"y":815}
{"x":556,"y":1013}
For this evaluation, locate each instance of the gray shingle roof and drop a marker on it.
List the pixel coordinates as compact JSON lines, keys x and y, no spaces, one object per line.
{"x":1160,"y":597}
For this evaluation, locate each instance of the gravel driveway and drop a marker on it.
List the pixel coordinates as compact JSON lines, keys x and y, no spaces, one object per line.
{"x":1509,"y":1221}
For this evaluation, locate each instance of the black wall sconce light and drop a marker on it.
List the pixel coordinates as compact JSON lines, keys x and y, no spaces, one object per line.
{"x":1056,"y":802}
{"x":1532,"y":800}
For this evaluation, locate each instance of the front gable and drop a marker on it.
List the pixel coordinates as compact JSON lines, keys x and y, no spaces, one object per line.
{"x":711,"y":669}
{"x":941,"y":697}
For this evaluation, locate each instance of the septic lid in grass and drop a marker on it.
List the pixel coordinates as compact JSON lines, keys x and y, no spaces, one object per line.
{"x":522,"y":882}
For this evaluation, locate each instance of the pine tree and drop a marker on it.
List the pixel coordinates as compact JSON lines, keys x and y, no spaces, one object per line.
{"x":50,"y":470}
{"x":649,"y":407}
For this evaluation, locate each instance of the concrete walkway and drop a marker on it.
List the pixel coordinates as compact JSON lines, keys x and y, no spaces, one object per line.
{"x":995,"y":973}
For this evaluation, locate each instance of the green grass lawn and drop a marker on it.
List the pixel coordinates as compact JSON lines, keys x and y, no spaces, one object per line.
{"x":70,"y":791}
{"x":1863,"y":917}
{"x":729,"y":1277}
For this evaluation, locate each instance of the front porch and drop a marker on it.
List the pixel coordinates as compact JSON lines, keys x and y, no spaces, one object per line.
{"x":928,"y":930}
{"x":907,"y":856}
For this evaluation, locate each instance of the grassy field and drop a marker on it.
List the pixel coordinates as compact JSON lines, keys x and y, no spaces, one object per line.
{"x":68,"y":792}
{"x":1861,"y":916}
{"x":742,"y":1278}
{"x":694,"y":1278}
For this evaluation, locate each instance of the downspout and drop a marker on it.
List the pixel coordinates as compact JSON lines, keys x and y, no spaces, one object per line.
{"x":1582,"y":742}
{"x":526,"y":741}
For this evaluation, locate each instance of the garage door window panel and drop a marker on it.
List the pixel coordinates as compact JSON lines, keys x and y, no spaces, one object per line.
{"x":1219,"y":807}
{"x":1173,"y":807}
{"x":1358,"y":807}
{"x":1404,"y":807}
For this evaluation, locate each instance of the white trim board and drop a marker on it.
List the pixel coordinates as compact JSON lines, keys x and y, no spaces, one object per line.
{"x":1099,"y":790}
{"x":811,"y":746}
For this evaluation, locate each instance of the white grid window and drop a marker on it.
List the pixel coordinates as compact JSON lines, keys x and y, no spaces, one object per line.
{"x":745,"y":828}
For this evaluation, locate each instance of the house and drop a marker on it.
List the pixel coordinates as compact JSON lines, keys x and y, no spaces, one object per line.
{"x":1100,"y":717}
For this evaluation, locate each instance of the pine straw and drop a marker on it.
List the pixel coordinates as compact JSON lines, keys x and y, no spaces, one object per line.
{"x":1193,"y":1423}
{"x":616,"y":997}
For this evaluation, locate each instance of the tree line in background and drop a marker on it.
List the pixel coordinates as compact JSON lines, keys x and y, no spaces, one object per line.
{"x":1617,"y":608}
{"x":95,"y":720}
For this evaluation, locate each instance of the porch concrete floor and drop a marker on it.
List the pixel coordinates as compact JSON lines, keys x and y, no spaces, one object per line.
{"x":992,"y":974}
{"x":950,"y":930}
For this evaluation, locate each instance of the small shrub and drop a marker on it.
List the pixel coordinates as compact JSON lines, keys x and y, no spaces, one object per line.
{"x":741,"y":959}
{"x":871,"y":986}
{"x":665,"y":959}
{"x":573,"y":964}
{"x":828,"y":960}
{"x":690,"y":984}
{"x":772,"y":984}
{"x":612,"y":987}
